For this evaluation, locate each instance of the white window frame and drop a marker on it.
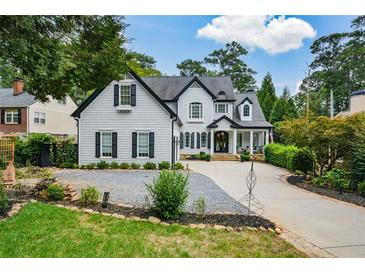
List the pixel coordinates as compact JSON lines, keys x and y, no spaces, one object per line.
{"x":187,"y":139}
{"x":219,"y":111}
{"x":192,"y":109}
{"x":13,"y":114}
{"x":243,"y":111}
{"x":102,"y":146}
{"x":148,"y":144}
{"x":203,"y":144}
{"x":41,"y":117}
{"x":128,"y":96}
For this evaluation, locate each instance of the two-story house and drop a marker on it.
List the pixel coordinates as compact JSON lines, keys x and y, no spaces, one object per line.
{"x":21,"y":113}
{"x":167,"y":118}
{"x":357,"y":103}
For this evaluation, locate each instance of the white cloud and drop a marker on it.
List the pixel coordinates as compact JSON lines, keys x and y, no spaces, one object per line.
{"x":272,"y":34}
{"x":297,"y":86}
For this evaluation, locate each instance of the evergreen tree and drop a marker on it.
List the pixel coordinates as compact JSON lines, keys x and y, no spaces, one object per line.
{"x":266,"y":96}
{"x":283,"y":108}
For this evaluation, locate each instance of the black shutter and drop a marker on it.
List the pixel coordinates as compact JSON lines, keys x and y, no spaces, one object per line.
{"x":209,"y":140}
{"x":134,"y":144}
{"x":3,"y":116}
{"x":97,"y":144}
{"x":116,"y":95}
{"x":114,"y":145}
{"x":133,"y":95}
{"x":192,"y":140}
{"x":152,"y":145}
{"x":197,"y":140}
{"x":19,"y":115}
{"x":181,"y":140}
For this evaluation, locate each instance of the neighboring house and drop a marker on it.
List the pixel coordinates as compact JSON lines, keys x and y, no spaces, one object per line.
{"x":357,"y":103}
{"x":21,"y":113}
{"x":166,"y":118}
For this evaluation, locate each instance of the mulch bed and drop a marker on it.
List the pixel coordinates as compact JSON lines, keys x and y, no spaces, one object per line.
{"x":350,"y":197}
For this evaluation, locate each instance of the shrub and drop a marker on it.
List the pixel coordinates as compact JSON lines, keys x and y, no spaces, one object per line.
{"x":361,"y":188}
{"x":135,"y":166}
{"x":149,"y":165}
{"x":280,"y":155}
{"x":89,"y":196}
{"x":102,"y":165}
{"x":90,"y":166}
{"x":67,"y":165}
{"x":64,"y":152}
{"x":4,"y":202}
{"x":200,"y":207}
{"x":337,"y":179}
{"x":33,"y":172}
{"x":2,"y":163}
{"x":19,"y":189}
{"x":319,"y":181}
{"x":114,"y":165}
{"x":302,"y":161}
{"x":205,"y":157}
{"x":169,"y":193}
{"x":164,"y":165}
{"x":194,"y":157}
{"x":124,"y":166}
{"x":55,"y":192}
{"x":178,"y":166}
{"x":245,"y":157}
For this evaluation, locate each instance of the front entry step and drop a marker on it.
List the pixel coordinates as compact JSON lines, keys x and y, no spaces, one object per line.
{"x":224,"y":157}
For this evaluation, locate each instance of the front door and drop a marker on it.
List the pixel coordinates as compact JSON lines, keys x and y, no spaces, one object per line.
{"x":221,"y":142}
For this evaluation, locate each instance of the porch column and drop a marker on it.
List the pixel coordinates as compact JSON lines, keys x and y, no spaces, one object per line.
{"x":267,"y":137}
{"x":211,"y":142}
{"x":234,"y":148}
{"x":251,"y":142}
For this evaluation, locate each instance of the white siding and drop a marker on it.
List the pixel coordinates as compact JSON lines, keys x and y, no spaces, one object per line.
{"x":147,"y":115}
{"x":189,"y":96}
{"x":58,"y":117}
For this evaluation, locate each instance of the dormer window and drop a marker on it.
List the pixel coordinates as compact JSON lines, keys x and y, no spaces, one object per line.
{"x":195,"y":111}
{"x":125,"y":95}
{"x":246,"y":111}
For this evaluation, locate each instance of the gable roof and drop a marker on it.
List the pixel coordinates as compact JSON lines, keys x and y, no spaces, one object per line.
{"x":233,"y":123}
{"x":7,"y":98}
{"x":96,"y":93}
{"x":168,"y":88}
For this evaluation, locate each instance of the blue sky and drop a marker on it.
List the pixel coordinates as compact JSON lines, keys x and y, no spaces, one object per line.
{"x":172,"y":39}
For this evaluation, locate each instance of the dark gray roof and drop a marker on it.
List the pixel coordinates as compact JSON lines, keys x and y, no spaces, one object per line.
{"x":7,"y":99}
{"x":358,"y":92}
{"x":258,"y":118}
{"x":167,"y":87}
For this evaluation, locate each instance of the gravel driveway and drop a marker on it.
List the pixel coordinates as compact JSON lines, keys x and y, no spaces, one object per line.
{"x":128,"y":187}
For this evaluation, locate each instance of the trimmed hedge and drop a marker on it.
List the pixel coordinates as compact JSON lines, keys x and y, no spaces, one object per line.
{"x":280,"y":155}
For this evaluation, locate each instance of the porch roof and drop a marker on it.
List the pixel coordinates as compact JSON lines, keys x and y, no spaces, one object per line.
{"x":216,"y":122}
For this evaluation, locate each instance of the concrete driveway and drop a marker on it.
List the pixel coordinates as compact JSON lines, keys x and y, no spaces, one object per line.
{"x":336,"y":227}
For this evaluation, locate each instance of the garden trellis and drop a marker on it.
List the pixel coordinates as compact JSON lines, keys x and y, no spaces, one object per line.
{"x":7,"y":145}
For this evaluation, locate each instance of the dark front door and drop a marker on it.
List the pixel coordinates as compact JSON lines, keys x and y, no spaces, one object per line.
{"x":221,"y":141}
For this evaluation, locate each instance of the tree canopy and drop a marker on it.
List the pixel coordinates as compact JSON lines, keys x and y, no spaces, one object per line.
{"x":266,"y":96}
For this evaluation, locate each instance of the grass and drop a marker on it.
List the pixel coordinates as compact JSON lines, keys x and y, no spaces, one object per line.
{"x":31,"y":172}
{"x":41,"y":230}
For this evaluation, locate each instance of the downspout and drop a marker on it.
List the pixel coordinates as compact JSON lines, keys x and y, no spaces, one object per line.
{"x":28,"y":122}
{"x":172,"y":142}
{"x":78,"y":140}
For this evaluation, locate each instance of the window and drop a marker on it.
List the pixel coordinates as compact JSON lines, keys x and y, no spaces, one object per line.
{"x":187,"y":139}
{"x":143,"y":144}
{"x":203,"y":140}
{"x":246,"y":110}
{"x":106,"y":144}
{"x":125,"y":95}
{"x":11,"y":116}
{"x":62,"y":101}
{"x":221,"y":108}
{"x":195,"y":111}
{"x":39,"y":118}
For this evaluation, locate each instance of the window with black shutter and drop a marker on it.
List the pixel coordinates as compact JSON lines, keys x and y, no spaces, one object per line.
{"x":152,"y":145}
{"x":181,"y":140}
{"x":134,"y":144}
{"x":197,"y":140}
{"x":116,"y":95}
{"x":133,"y":95}
{"x":209,"y":137}
{"x":192,"y":140}
{"x":114,"y":145}
{"x":97,"y":144}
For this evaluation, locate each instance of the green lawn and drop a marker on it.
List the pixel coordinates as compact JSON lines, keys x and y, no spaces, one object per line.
{"x":40,"y":230}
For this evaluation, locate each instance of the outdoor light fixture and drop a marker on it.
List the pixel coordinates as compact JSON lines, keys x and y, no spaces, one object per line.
{"x":104,"y":204}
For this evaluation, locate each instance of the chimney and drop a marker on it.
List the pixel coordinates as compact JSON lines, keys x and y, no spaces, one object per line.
{"x":18,"y":86}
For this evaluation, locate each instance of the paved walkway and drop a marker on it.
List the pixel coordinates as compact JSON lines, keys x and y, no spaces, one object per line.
{"x":333,"y":226}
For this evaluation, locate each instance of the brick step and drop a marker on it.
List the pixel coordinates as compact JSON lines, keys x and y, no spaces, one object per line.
{"x":225,"y":157}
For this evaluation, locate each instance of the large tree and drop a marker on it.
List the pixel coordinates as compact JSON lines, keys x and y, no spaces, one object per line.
{"x":144,"y":65}
{"x":267,"y":96}
{"x":226,"y":61}
{"x":283,"y":108}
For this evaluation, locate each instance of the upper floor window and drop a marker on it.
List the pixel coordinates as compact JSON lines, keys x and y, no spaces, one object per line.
{"x":62,"y":101}
{"x":11,"y":117}
{"x":203,"y":139}
{"x":125,"y":95}
{"x":39,"y":118}
{"x":221,"y":108}
{"x":246,"y":110}
{"x":195,"y":110}
{"x":187,"y":139}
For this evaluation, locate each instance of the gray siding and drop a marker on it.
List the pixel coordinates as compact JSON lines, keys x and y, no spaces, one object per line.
{"x":147,"y":115}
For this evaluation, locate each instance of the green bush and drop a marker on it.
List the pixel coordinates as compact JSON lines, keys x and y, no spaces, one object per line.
{"x":114,"y":165}
{"x":245,"y":157}
{"x":194,"y":157}
{"x":149,"y":165}
{"x":361,"y":188}
{"x":19,"y":189}
{"x":102,"y":165}
{"x":90,"y":166}
{"x":164,"y":165}
{"x":200,"y":207}
{"x":2,"y":163}
{"x":4,"y":202}
{"x":135,"y":166}
{"x":55,"y":192}
{"x":302,"y":161}
{"x":280,"y":155}
{"x":319,"y":181}
{"x":178,"y":166}
{"x":64,"y":153}
{"x":337,"y":179}
{"x":169,"y":193}
{"x":205,"y":157}
{"x":89,"y":196}
{"x":124,"y":166}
